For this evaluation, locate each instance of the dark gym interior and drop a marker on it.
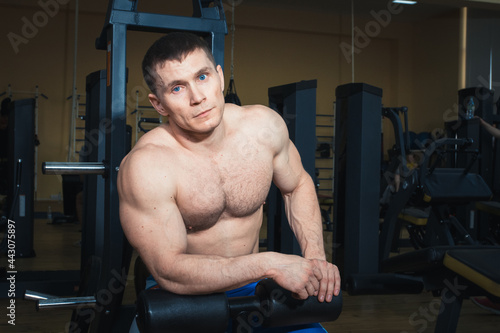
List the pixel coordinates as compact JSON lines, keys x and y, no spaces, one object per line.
{"x":392,"y":105}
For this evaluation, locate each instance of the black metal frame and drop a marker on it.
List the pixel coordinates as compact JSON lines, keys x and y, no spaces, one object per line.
{"x":21,"y":167}
{"x":357,"y":175}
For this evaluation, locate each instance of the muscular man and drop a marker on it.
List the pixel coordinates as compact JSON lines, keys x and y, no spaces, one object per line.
{"x":192,"y":190}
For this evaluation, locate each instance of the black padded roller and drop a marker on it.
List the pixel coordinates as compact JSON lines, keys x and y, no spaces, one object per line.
{"x":272,"y":306}
{"x":287,"y":310}
{"x":161,"y":311}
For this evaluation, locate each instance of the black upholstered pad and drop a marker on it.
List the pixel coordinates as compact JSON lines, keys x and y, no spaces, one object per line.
{"x":480,"y":266}
{"x":452,"y":185}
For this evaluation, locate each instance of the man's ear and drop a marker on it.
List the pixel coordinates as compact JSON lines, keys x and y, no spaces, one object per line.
{"x":156,"y":103}
{"x":221,"y":76}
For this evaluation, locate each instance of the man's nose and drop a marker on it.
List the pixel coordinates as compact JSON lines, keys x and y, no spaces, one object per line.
{"x":197,"y":95}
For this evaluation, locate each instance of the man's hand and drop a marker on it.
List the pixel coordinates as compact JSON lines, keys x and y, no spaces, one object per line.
{"x":306,"y":277}
{"x":329,"y":285}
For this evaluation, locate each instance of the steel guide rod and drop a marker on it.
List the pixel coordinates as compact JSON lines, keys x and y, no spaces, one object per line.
{"x":47,"y":302}
{"x":67,"y":303}
{"x":31,"y":295}
{"x":73,"y":168}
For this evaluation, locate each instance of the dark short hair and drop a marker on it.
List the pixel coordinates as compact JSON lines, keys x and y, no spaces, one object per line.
{"x":173,"y":46}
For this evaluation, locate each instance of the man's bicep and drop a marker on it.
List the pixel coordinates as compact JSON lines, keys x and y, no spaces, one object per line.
{"x":150,"y":217}
{"x":288,"y":168}
{"x":158,"y":239}
{"x":153,"y":230}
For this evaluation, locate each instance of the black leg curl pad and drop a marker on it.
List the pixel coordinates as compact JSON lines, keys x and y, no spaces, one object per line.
{"x":272,"y":306}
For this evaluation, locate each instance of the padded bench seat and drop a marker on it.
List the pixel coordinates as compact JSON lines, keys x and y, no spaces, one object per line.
{"x":414,"y":216}
{"x":436,"y":268}
{"x":452,"y":185}
{"x":480,"y":266}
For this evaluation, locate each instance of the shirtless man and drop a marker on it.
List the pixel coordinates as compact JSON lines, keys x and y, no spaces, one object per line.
{"x":192,"y":190}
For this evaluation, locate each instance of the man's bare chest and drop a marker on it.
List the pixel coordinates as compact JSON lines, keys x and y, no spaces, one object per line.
{"x":231,"y":187}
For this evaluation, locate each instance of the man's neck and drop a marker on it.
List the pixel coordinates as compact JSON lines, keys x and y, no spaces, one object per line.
{"x":200,"y":142}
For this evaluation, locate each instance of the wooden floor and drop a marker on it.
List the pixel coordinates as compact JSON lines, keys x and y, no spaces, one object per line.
{"x":56,"y":248}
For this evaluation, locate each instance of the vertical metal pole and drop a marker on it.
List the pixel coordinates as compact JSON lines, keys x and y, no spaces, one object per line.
{"x":114,"y":268}
{"x":115,"y":136}
{"x":462,"y":54}
{"x":94,"y":185}
{"x":217,"y":43}
{"x":491,"y":68}
{"x":74,"y":99}
{"x":36,"y":147}
{"x":352,"y":40}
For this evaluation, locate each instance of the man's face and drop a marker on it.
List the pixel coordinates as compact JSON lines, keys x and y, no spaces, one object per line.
{"x":190,"y":93}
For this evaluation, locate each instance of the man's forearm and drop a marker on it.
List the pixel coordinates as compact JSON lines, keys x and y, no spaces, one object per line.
{"x":304,"y":216}
{"x":202,"y":274}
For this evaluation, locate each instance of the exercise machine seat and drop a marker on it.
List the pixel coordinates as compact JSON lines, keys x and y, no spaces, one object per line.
{"x":480,"y":266}
{"x":414,"y":215}
{"x":448,"y":185}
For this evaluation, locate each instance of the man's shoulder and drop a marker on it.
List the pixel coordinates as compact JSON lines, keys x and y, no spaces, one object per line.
{"x":156,"y":141}
{"x":148,"y":155}
{"x":257,"y":114}
{"x":254,"y":108}
{"x":143,"y":166}
{"x":263,"y":124}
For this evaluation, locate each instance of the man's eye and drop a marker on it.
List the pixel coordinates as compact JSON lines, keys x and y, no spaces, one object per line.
{"x":176,"y":89}
{"x":203,"y":77}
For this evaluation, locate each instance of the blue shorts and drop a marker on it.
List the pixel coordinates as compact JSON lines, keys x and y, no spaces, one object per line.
{"x":248,"y":290}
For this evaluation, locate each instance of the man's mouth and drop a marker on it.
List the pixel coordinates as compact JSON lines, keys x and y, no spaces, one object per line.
{"x":203,"y":113}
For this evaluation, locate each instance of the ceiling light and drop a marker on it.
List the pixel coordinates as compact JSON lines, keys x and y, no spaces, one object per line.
{"x":405,"y":2}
